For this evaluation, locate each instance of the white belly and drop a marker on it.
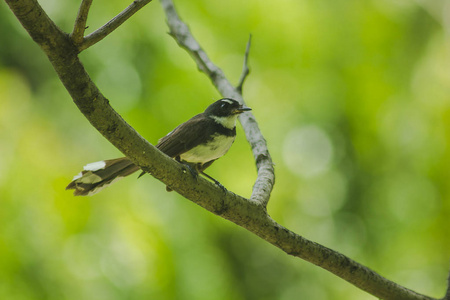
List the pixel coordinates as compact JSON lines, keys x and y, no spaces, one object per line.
{"x":214,"y":149}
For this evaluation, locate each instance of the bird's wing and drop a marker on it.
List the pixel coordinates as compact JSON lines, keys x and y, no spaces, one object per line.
{"x":185,"y":137}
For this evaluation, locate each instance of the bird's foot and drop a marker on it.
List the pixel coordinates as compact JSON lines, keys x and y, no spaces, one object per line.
{"x":216,"y":182}
{"x":224,"y":189}
{"x":192,"y":170}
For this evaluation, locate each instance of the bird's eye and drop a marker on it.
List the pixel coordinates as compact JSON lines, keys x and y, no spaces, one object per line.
{"x":223,"y":105}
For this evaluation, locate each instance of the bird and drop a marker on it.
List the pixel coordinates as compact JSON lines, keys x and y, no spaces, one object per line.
{"x":196,"y":143}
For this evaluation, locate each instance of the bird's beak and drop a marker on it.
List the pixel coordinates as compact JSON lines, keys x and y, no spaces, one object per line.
{"x":241,"y":109}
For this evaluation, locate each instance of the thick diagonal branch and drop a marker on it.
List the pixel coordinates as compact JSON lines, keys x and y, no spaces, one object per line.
{"x":249,"y":214}
{"x":266,"y":175}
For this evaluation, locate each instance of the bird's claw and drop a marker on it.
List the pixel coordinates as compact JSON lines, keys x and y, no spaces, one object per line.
{"x":220,"y":186}
{"x":193,"y":172}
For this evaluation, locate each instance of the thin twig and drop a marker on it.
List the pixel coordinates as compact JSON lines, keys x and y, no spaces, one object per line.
{"x":80,"y":22}
{"x":266,"y":175}
{"x":115,"y":22}
{"x":245,"y":68}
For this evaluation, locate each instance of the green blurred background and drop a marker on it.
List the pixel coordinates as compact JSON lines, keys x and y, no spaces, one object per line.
{"x":353,"y":98}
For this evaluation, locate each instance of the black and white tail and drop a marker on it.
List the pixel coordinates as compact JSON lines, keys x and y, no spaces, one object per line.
{"x":98,"y":175}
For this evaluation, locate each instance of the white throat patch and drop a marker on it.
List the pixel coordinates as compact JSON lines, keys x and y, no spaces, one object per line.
{"x":227,"y":122}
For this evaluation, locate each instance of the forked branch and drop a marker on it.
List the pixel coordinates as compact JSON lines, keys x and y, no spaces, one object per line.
{"x":80,"y":22}
{"x":112,"y":25}
{"x":266,"y":175}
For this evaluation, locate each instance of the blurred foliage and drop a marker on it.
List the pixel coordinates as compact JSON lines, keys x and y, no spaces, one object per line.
{"x":353,"y":98}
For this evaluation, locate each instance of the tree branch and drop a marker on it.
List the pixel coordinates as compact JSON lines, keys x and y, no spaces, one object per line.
{"x":266,"y":175}
{"x":447,"y":294}
{"x":80,"y":22}
{"x":291,"y":243}
{"x":115,"y":22}
{"x":245,"y":68}
{"x":251,"y":215}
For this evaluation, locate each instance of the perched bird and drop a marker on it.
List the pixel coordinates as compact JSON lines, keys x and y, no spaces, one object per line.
{"x":197,"y":143}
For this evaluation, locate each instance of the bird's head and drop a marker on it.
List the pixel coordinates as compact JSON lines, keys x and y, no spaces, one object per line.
{"x":225,"y":107}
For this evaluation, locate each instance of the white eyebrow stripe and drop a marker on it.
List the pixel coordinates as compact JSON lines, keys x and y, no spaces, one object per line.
{"x":228,"y":101}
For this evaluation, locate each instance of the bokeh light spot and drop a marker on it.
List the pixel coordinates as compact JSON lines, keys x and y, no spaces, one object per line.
{"x":307,"y":151}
